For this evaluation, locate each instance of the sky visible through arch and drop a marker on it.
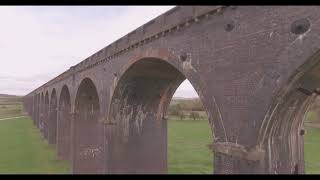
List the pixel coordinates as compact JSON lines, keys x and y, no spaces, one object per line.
{"x":37,"y":43}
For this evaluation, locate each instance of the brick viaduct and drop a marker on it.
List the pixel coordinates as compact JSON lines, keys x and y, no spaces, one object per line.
{"x":255,"y":69}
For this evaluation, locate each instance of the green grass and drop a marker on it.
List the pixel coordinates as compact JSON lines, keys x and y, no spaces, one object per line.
{"x":311,"y":151}
{"x":187,"y":147}
{"x":187,"y":151}
{"x":10,"y":106}
{"x":24,"y":151}
{"x":311,"y":116}
{"x":10,"y":110}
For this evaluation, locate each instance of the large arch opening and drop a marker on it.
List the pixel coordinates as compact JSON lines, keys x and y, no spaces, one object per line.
{"x":52,"y":123}
{"x":46,"y":116}
{"x":64,"y":124}
{"x":189,"y":133}
{"x":41,"y":115}
{"x":88,"y":132}
{"x":37,"y":110}
{"x":283,"y":137}
{"x":138,"y":110}
{"x":34,"y":109}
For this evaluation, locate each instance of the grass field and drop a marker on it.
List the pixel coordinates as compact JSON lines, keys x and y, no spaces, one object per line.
{"x":10,"y":110}
{"x":312,"y":144}
{"x":24,"y":151}
{"x":311,"y":151}
{"x":187,"y":147}
{"x":311,"y":116}
{"x":10,"y":106}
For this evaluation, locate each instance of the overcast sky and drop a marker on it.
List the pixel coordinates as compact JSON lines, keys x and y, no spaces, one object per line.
{"x":38,"y":43}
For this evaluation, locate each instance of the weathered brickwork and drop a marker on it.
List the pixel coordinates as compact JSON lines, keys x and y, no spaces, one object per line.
{"x":255,"y":68}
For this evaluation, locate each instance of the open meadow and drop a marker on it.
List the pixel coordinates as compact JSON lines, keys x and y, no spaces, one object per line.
{"x":10,"y":106}
{"x":25,"y":151}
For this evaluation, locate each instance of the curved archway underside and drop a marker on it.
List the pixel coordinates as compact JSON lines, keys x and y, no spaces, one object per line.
{"x":52,"y":120}
{"x":64,"y":125}
{"x":283,"y":137}
{"x":138,"y":111}
{"x":45,"y":116}
{"x":88,"y":156}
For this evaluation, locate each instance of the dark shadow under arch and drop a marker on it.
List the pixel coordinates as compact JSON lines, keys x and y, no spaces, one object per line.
{"x":64,"y":124}
{"x":52,"y":123}
{"x":37,"y":110}
{"x":34,"y":103}
{"x":41,"y":114}
{"x":88,"y":151}
{"x":46,"y":115}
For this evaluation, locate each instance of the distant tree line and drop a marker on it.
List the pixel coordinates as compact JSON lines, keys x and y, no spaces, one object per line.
{"x":188,"y":104}
{"x":186,"y":108}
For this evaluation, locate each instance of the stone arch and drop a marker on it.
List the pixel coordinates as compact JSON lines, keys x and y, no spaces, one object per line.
{"x":137,"y":112}
{"x":37,"y":110}
{"x":281,"y":134}
{"x":64,"y":124}
{"x":41,"y":113}
{"x":52,"y":120}
{"x":88,"y":152}
{"x":34,"y":103}
{"x":46,"y":115}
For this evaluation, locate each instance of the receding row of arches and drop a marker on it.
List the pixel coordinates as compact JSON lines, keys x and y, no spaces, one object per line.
{"x":136,"y":138}
{"x":80,"y":142}
{"x":137,"y":115}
